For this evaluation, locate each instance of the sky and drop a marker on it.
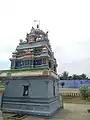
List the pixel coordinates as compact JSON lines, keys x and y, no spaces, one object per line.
{"x":68,"y":23}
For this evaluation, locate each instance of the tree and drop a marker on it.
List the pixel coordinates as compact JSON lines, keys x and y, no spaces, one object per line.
{"x":64,"y":75}
{"x":69,"y":77}
{"x":62,"y":84}
{"x":83,"y":76}
{"x":84,"y":91}
{"x":75,"y":77}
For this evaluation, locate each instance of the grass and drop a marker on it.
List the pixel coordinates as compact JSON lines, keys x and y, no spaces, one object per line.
{"x":75,"y":100}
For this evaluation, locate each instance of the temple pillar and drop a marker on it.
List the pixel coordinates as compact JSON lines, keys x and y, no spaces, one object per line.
{"x":13,"y":64}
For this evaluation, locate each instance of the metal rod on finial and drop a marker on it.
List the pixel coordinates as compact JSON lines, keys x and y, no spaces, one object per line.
{"x":38,"y":23}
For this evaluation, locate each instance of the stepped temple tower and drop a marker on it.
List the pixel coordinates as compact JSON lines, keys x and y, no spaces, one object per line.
{"x":32,"y":83}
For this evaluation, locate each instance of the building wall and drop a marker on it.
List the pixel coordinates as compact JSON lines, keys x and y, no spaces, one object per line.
{"x":40,"y":100}
{"x":38,"y":88}
{"x":50,"y":89}
{"x":73,"y":83}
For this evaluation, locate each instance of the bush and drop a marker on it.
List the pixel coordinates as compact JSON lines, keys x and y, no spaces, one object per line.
{"x":85,"y":92}
{"x":62,"y":84}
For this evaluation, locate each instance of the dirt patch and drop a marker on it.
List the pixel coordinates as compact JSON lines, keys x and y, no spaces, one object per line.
{"x":70,"y":112}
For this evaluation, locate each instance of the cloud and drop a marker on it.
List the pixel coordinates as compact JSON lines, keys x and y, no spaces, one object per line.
{"x":78,"y":67}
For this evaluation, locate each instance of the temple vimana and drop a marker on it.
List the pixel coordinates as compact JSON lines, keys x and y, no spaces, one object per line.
{"x":32,"y":83}
{"x":34,"y":52}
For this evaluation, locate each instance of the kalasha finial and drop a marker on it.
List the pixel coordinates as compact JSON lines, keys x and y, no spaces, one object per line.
{"x":37,"y":26}
{"x":47,"y":33}
{"x":37,"y":22}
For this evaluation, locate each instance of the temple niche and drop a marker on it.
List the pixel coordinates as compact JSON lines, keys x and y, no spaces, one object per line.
{"x":32,"y":83}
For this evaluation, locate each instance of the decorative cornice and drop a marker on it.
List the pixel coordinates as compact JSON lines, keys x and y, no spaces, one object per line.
{"x":29,"y":73}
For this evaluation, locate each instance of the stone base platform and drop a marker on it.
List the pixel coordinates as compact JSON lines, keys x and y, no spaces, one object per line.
{"x":34,"y":95}
{"x":45,"y":108}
